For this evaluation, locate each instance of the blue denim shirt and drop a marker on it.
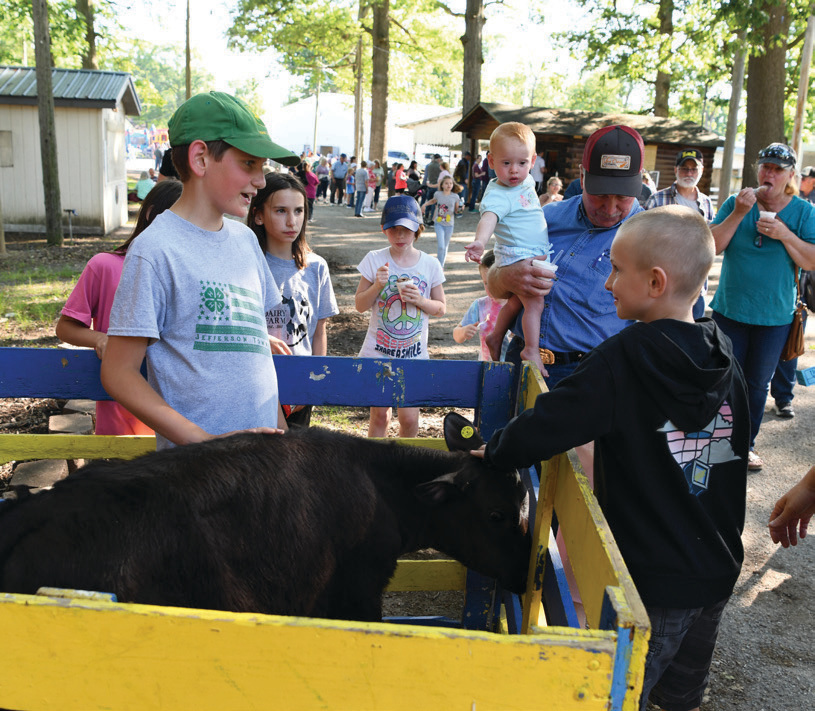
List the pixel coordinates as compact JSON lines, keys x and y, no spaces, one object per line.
{"x":578,"y":313}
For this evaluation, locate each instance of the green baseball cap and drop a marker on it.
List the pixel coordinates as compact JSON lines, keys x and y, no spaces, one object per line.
{"x":216,"y":116}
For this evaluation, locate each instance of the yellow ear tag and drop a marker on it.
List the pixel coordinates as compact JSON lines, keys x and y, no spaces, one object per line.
{"x":467,"y":432}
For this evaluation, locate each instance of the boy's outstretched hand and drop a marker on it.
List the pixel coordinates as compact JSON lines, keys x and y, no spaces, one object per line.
{"x":792,"y":512}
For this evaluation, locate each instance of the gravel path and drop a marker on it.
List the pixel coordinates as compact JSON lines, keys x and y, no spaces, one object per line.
{"x":765,"y":659}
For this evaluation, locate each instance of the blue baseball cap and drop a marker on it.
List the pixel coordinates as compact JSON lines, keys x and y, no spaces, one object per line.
{"x":401,"y":211}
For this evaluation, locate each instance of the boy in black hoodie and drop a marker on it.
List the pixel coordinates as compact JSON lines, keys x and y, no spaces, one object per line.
{"x":665,"y":402}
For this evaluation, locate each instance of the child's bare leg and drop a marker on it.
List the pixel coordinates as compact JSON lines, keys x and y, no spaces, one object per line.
{"x":503,"y":322}
{"x":408,"y":421}
{"x":531,"y":325}
{"x":380,"y":419}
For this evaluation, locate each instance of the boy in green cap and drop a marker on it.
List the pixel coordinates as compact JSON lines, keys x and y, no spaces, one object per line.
{"x":195,"y":288}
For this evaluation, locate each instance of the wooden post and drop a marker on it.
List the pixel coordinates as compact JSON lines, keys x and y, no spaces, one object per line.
{"x":359,"y":139}
{"x":736,"y":85}
{"x":48,"y":134}
{"x":317,"y":108}
{"x":188,"y":68}
{"x":2,"y":234}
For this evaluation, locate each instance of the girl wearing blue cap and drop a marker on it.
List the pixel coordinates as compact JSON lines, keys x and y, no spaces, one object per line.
{"x":402,"y":287}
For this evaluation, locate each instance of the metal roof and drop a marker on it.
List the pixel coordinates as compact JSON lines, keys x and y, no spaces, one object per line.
{"x":576,"y":123}
{"x":77,"y":88}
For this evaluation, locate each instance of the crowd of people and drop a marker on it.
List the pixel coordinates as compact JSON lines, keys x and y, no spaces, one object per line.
{"x":663,"y":403}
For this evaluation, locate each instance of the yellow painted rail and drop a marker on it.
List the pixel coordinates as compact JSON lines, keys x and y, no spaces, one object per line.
{"x":80,"y":655}
{"x":18,"y":448}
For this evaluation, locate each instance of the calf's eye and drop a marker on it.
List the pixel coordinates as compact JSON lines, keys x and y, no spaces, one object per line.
{"x":497,"y":516}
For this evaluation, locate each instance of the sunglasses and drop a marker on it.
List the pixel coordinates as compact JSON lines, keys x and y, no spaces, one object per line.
{"x":781,"y":152}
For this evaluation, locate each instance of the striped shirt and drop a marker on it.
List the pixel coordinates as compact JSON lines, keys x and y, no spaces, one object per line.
{"x":668,"y":197}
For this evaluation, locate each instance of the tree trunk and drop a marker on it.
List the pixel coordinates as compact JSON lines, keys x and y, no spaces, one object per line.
{"x":380,"y":61}
{"x":89,"y":58}
{"x":662,"y":86}
{"x":48,"y":134}
{"x":473,"y":55}
{"x":766,"y":77}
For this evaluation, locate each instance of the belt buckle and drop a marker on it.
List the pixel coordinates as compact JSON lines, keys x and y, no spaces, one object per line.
{"x":547,"y":357}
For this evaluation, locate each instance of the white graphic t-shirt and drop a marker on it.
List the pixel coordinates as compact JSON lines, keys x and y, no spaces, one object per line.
{"x":307,"y":298}
{"x":396,"y":329}
{"x":200,"y":298}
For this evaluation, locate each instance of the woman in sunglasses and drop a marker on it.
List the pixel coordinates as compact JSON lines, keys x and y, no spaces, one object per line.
{"x":766,"y":234}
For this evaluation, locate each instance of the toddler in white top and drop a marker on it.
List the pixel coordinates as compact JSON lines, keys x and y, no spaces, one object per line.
{"x":510,"y":209}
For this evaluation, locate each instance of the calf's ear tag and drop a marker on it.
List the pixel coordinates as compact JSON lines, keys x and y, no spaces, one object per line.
{"x":467,"y":432}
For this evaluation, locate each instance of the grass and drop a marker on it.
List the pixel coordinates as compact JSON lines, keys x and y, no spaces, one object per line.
{"x":36,"y":279}
{"x":36,"y":296}
{"x":349,"y":419}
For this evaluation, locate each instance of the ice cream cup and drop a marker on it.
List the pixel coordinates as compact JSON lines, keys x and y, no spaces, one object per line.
{"x":766,"y":215}
{"x":402,"y":282}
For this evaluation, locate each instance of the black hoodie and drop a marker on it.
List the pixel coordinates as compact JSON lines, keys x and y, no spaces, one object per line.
{"x":665,"y":403}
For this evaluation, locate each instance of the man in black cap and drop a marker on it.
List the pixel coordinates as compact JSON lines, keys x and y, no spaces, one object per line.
{"x":808,"y":183}
{"x":579,"y":313}
{"x":683,"y":191}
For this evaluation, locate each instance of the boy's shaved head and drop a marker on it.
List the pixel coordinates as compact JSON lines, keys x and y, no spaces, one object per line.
{"x":678,"y":240}
{"x":513,"y":130}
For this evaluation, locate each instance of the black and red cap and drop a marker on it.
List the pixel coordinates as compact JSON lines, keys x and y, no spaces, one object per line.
{"x":612,"y":162}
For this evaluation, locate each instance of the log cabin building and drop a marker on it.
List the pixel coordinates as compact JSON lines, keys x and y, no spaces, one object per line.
{"x":562,"y":133}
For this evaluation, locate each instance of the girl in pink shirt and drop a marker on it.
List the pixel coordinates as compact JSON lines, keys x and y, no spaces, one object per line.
{"x":84,"y":318}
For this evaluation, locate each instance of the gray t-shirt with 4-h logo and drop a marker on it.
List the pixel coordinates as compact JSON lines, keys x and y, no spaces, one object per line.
{"x":200,"y":298}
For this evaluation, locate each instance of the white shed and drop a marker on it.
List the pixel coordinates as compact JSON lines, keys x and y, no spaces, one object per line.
{"x":436,"y":130}
{"x":89,"y":113}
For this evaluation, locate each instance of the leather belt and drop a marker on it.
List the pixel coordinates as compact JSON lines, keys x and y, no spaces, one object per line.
{"x":551,"y":358}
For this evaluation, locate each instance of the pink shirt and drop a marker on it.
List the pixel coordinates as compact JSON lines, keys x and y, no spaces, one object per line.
{"x":89,"y":303}
{"x":311,"y":185}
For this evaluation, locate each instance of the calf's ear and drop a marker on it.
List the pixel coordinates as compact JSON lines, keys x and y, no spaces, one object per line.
{"x":438,"y":490}
{"x":460,"y":434}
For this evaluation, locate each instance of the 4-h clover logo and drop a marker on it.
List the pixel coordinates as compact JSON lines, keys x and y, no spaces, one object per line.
{"x":214,"y":299}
